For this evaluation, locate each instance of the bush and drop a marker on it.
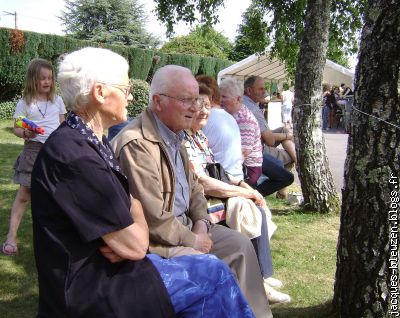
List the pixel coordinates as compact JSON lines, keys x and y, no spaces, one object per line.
{"x":207,"y":66}
{"x":7,"y":110}
{"x":18,"y":47}
{"x":140,"y":93}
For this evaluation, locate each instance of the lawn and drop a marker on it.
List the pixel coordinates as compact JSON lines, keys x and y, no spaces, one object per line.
{"x":303,"y":250}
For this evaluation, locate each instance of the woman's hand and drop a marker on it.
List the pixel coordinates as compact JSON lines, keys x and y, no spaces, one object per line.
{"x":259,"y":199}
{"x":109,"y":254}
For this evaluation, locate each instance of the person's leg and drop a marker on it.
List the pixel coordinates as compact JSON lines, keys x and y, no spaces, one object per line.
{"x":262,"y":248}
{"x":201,"y":286}
{"x":252,"y":175}
{"x":325,"y":112}
{"x":17,"y":211}
{"x":237,"y":251}
{"x":330,"y":119}
{"x":289,"y":147}
{"x":278,"y":176}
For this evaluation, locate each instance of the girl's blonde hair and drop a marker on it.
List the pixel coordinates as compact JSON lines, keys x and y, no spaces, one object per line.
{"x":32,"y":80}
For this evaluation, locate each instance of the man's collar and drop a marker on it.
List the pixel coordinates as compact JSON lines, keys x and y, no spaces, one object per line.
{"x":168,"y":136}
{"x":247,"y":99}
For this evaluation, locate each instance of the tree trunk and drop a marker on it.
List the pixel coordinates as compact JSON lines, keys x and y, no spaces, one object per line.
{"x":313,"y":168}
{"x":367,"y":257}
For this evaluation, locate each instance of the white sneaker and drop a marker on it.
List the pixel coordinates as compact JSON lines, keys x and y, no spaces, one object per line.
{"x":273,"y":282}
{"x":275,"y":297}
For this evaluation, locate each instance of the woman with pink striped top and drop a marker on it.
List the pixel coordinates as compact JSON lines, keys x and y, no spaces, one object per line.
{"x":231,"y":100}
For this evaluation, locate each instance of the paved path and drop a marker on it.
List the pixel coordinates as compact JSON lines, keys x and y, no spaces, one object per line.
{"x":336,"y":147}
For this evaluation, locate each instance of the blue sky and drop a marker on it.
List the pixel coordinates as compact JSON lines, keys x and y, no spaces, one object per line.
{"x":41,"y":16}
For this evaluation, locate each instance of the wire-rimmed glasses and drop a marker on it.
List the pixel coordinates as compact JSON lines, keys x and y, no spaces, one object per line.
{"x":126,"y":89}
{"x":187,"y":102}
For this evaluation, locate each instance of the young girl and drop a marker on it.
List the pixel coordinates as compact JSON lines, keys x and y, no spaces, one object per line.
{"x":39,"y":104}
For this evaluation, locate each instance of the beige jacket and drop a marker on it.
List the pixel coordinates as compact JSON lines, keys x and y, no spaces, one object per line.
{"x":144,"y":159}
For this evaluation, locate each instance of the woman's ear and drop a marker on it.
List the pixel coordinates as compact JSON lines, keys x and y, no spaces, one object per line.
{"x":98,"y":93}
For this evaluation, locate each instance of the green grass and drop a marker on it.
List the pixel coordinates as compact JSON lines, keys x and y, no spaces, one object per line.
{"x":18,"y":279}
{"x":304,"y":258}
{"x":303,"y":251}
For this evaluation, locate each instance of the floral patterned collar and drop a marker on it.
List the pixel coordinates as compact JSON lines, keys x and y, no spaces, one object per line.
{"x":75,"y":122}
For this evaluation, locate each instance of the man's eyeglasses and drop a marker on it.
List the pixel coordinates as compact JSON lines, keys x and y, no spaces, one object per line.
{"x":187,"y":102}
{"x":126,"y":89}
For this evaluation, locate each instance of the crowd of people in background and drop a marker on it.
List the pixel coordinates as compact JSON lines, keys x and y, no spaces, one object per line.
{"x":123,"y":226}
{"x":334,"y":100}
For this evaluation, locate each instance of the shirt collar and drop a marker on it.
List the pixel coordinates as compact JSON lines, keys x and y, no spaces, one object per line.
{"x":247,"y":100}
{"x":168,"y":136}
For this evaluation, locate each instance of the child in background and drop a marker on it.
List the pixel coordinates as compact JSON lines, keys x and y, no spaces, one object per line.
{"x":41,"y":105}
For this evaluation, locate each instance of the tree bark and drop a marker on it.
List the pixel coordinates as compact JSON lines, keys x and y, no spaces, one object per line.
{"x":366,"y":254}
{"x":313,"y":167}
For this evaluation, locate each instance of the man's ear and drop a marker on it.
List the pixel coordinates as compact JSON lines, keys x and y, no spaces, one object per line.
{"x":157,"y":102}
{"x":98,"y":93}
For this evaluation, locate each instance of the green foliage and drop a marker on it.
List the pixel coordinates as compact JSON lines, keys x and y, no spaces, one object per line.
{"x":170,"y":12}
{"x":220,"y":65}
{"x":207,"y":66}
{"x":14,"y":59}
{"x":287,"y":28}
{"x":140,"y":62}
{"x":203,"y":40}
{"x":281,"y":22}
{"x":7,"y":110}
{"x":140,"y":93}
{"x":15,"y":56}
{"x":108,"y":21}
{"x":159,"y":60}
{"x":192,"y":62}
{"x":252,"y":34}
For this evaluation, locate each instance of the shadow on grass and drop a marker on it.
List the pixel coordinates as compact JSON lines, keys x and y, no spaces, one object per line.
{"x":9,"y":154}
{"x":7,"y":129}
{"x":18,"y":276}
{"x":292,"y":210}
{"x":320,"y":311}
{"x":21,"y":307}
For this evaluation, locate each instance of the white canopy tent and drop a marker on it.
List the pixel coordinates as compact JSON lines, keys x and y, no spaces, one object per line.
{"x":272,"y":69}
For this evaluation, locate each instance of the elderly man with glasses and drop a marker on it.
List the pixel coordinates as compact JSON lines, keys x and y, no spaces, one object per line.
{"x":151,"y":154}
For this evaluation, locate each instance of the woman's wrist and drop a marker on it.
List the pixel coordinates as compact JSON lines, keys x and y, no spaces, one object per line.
{"x":240,"y":182}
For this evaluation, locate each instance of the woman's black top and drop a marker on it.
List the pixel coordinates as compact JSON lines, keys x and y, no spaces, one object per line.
{"x":78,"y":196}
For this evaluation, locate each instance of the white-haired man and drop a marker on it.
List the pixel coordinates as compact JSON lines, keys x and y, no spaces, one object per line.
{"x":151,"y":154}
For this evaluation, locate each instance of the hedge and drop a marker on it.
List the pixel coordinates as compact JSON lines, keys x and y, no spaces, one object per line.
{"x":192,"y":62}
{"x":207,"y":66}
{"x":7,"y":110}
{"x":140,"y":93}
{"x":18,"y":47}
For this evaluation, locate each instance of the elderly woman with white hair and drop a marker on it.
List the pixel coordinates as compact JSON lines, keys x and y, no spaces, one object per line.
{"x":90,"y":235}
{"x":252,"y":149}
